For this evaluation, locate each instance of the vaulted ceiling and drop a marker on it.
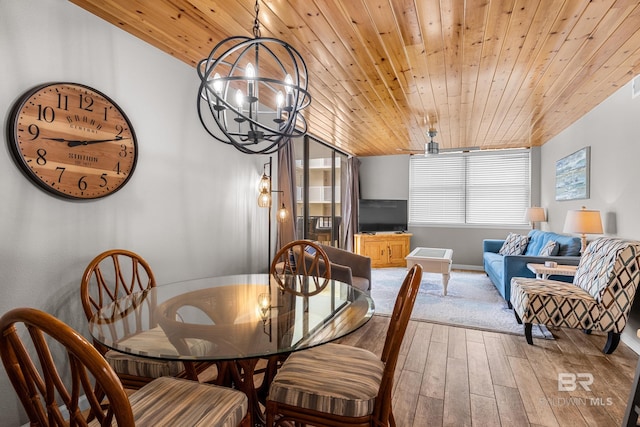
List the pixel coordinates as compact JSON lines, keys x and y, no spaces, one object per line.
{"x":486,"y":73}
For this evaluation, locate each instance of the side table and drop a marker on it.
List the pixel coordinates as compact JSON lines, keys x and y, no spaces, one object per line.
{"x":543,"y":272}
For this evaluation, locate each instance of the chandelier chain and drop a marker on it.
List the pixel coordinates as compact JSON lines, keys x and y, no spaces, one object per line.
{"x":256,"y":21}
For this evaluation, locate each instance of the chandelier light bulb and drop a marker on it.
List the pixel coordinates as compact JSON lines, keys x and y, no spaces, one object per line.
{"x":279,"y":103}
{"x":217,"y":84}
{"x":239,"y":99}
{"x":250,"y":73}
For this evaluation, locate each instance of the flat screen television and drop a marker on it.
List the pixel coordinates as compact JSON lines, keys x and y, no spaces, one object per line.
{"x":382,"y":215}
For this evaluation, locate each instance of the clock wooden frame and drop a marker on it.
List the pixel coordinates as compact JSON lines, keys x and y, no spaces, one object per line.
{"x":72,"y":141}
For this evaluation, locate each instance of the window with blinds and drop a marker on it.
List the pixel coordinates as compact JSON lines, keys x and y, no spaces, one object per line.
{"x":491,"y":188}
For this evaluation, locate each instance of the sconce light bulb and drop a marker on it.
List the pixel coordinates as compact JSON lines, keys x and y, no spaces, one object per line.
{"x":264,"y":186}
{"x":264,"y":200}
{"x":283,"y":214}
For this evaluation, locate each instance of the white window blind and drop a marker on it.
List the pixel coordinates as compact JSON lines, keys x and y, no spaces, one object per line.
{"x":490,"y":188}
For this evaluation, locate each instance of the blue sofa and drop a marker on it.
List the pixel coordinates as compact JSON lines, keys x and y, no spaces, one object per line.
{"x":501,"y":268}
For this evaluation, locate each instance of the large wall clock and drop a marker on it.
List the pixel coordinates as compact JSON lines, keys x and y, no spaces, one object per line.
{"x":72,"y":140}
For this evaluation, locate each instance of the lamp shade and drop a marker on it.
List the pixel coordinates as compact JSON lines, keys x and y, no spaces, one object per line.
{"x":583,"y":221}
{"x":535,"y":214}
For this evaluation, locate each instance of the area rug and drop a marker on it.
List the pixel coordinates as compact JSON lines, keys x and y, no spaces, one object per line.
{"x":471,"y":301}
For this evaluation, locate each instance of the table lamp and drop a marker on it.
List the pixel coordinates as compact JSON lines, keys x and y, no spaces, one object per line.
{"x":533,"y":215}
{"x":583,"y":222}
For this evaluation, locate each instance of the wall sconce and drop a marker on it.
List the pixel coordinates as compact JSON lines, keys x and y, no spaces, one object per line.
{"x":583,"y":222}
{"x":264,"y":305}
{"x":264,"y":201}
{"x":264,"y":309}
{"x":534,"y":214}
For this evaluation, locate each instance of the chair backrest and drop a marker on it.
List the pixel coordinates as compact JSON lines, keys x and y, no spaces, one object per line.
{"x":59,"y":350}
{"x":604,"y":261}
{"x":112,"y":275}
{"x":301,"y":267}
{"x":610,"y":271}
{"x":395,"y":334}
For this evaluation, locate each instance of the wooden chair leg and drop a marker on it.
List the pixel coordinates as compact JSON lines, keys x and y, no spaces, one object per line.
{"x":527,"y":333}
{"x":613,"y":339}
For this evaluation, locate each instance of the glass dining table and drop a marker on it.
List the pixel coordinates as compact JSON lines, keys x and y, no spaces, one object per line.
{"x":232,"y":322}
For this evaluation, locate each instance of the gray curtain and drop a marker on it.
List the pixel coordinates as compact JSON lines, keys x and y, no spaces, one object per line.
{"x":287,"y":184}
{"x":351,"y":178}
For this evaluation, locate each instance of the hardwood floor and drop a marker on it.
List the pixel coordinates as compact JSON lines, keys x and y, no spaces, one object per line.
{"x":451,"y":376}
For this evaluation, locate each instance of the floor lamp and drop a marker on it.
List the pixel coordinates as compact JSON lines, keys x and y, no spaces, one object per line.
{"x":265,"y":201}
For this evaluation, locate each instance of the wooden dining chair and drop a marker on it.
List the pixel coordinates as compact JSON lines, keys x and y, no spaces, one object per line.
{"x":66,"y":368}
{"x":339,"y":385}
{"x":115,"y":274}
{"x":301,"y":267}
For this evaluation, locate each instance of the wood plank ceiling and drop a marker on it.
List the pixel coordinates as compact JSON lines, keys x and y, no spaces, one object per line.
{"x":486,"y":73}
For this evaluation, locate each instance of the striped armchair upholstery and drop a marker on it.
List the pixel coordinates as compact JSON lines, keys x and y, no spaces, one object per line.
{"x":599,"y":299}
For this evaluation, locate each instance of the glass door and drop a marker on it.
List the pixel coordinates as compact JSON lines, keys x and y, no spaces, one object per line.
{"x":319,"y":191}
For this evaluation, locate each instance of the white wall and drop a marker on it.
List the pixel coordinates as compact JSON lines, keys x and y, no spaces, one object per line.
{"x":189,"y":209}
{"x":612,"y":129}
{"x":384,"y":177}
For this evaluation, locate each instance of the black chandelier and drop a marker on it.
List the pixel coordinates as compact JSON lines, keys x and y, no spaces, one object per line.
{"x":254,"y":90}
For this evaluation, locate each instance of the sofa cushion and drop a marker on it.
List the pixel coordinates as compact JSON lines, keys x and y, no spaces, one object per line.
{"x":550,"y":249}
{"x":567,"y":245}
{"x":495,"y":263}
{"x":515,"y":244}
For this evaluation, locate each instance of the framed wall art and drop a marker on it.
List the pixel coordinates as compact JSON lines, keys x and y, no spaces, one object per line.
{"x":572,"y":175}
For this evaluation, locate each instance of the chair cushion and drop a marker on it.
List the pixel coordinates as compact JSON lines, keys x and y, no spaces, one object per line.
{"x":567,"y":245}
{"x":514,"y":244}
{"x":549,"y":249}
{"x":331,"y":378}
{"x":142,"y":367}
{"x":178,"y":402}
{"x":551,"y":302}
{"x":156,"y":341}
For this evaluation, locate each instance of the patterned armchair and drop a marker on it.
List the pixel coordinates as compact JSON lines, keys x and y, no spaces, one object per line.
{"x":599,"y":299}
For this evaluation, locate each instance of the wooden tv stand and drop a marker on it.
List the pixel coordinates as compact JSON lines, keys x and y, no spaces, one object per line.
{"x":386,"y":249}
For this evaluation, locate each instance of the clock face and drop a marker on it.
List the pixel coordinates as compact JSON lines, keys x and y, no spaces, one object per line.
{"x":72,"y":141}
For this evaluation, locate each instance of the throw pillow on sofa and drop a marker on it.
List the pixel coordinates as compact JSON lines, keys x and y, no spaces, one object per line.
{"x":550,"y":249}
{"x":514,"y":244}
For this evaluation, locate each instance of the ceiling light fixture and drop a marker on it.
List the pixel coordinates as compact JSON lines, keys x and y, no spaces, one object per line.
{"x":432,"y":147}
{"x":254,"y":90}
